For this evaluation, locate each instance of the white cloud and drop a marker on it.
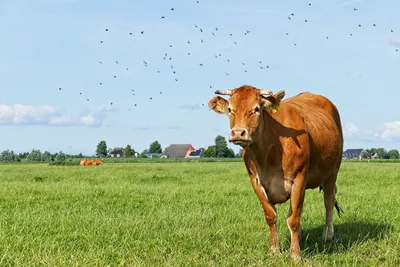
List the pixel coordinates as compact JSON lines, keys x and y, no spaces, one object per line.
{"x":345,"y":3}
{"x":395,"y":42}
{"x":148,"y":128}
{"x":104,"y":108}
{"x":61,"y":121}
{"x":90,"y":121}
{"x":350,"y":129}
{"x":191,"y":106}
{"x":96,"y":116}
{"x":19,"y":114}
{"x":390,"y":131}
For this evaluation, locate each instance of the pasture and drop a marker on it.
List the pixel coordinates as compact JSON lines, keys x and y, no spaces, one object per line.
{"x":186,"y":213}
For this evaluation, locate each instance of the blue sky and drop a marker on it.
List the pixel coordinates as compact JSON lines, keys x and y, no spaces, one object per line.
{"x":48,"y":44}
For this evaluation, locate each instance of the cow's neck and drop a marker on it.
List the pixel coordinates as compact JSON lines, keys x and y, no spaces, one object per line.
{"x":266,"y":146}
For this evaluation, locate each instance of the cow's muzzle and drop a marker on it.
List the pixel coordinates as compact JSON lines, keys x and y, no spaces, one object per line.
{"x":239,"y":136}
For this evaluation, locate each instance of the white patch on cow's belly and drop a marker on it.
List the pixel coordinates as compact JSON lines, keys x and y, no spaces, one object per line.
{"x":288,"y":186}
{"x":260,"y":185}
{"x":277,"y":188}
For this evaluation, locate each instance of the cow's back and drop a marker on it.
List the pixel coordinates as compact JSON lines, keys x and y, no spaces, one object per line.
{"x":322,"y":122}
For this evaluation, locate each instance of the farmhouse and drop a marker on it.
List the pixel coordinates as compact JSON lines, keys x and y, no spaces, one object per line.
{"x":179,"y":151}
{"x":117,"y":153}
{"x":199,"y":153}
{"x":353,"y":153}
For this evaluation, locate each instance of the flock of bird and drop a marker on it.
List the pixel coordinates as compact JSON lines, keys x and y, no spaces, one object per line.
{"x":167,"y":57}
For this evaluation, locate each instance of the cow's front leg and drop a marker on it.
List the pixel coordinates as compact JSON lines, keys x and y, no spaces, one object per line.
{"x":299,"y":231}
{"x":269,"y":210}
{"x":295,"y":211}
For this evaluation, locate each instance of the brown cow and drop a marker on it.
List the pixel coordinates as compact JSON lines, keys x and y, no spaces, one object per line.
{"x":288,"y":146}
{"x":91,"y":162}
{"x":98,"y":162}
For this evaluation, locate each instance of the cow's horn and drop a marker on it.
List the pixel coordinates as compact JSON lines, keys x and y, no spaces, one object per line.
{"x":265,"y":92}
{"x":223,"y":92}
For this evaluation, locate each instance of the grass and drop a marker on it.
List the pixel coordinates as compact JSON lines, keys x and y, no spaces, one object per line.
{"x":187,"y":213}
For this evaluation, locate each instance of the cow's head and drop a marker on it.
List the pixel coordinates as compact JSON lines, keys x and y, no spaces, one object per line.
{"x":246,"y":109}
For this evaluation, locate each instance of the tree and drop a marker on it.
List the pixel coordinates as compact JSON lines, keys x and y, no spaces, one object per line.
{"x":8,"y":156}
{"x":46,"y":156}
{"x":143,"y":154}
{"x":23,"y":156}
{"x":239,"y":154}
{"x":230,"y":153}
{"x":393,"y":154}
{"x":210,"y":152}
{"x":34,"y":156}
{"x":101,"y":150}
{"x":371,"y":151}
{"x":364,"y":154}
{"x":129,"y":152}
{"x":222,"y":146}
{"x":382,"y":153}
{"x":155,"y":147}
{"x":60,"y":157}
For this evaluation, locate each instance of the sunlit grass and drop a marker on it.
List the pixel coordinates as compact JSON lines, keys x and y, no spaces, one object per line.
{"x":191,"y":213}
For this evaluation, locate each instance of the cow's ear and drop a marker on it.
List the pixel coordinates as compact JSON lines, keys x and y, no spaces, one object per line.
{"x":271,"y":103}
{"x":218,"y":104}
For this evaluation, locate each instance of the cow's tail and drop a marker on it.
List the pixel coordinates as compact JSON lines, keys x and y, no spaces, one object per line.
{"x":338,"y":209}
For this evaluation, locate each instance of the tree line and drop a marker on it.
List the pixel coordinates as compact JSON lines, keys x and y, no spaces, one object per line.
{"x":381,"y":153}
{"x":217,"y":150}
{"x":35,"y":156}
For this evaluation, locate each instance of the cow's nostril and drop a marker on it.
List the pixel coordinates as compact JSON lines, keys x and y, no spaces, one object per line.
{"x":243,"y":133}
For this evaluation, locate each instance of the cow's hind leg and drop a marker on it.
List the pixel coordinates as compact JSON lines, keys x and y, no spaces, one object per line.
{"x":330,"y":189}
{"x":295,"y":211}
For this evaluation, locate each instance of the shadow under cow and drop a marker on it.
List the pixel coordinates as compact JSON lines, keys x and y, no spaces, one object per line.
{"x":347,"y":235}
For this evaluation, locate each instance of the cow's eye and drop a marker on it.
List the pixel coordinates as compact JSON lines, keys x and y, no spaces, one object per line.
{"x":257,"y":110}
{"x":229,"y":110}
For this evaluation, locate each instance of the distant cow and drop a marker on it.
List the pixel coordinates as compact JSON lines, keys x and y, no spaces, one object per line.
{"x":91,"y":162}
{"x":98,"y":162}
{"x":288,"y":146}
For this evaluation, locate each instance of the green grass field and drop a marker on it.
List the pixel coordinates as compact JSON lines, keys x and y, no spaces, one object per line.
{"x":186,"y":213}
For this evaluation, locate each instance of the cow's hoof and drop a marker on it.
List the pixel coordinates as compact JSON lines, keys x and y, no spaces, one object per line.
{"x":327,"y":234}
{"x":295,"y":257}
{"x":273,"y":250}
